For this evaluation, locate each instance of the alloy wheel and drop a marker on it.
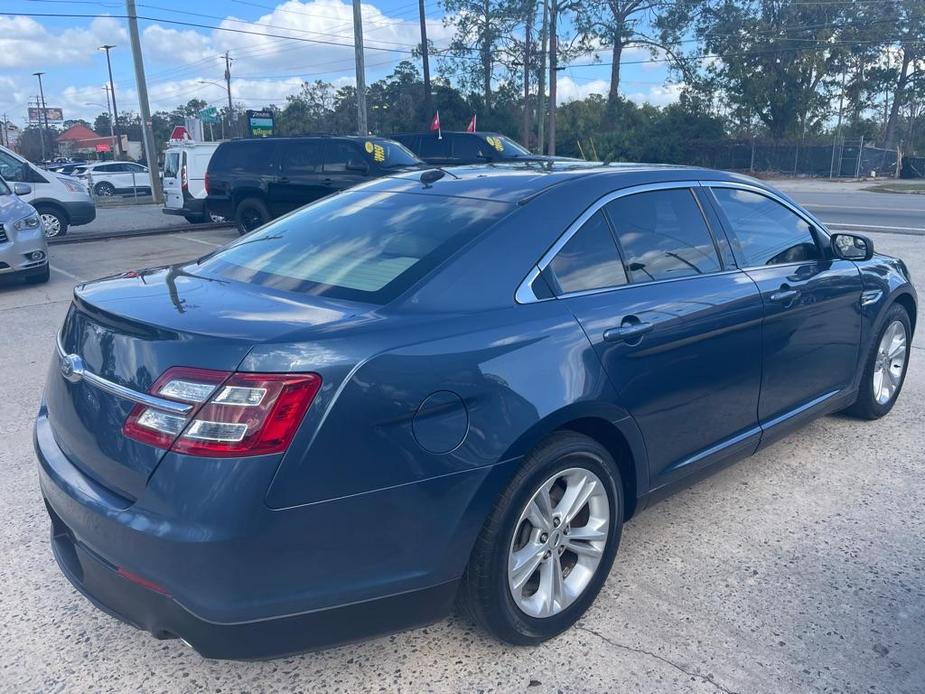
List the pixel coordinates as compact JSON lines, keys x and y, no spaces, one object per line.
{"x":558,"y":542}
{"x":890,"y":362}
{"x":51,"y":224}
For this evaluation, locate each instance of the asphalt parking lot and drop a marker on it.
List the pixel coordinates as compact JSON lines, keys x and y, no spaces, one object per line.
{"x":800,"y":569}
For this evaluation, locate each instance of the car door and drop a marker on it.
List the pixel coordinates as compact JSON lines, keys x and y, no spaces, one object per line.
{"x":137,"y":176}
{"x":300,"y":179}
{"x":812,"y":324}
{"x":339,"y":156}
{"x":678,"y":331}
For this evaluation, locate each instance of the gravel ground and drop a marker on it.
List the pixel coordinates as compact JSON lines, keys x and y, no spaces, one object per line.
{"x":801,"y":569}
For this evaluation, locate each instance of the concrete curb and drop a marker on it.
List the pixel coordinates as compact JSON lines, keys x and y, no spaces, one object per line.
{"x":87,"y":236}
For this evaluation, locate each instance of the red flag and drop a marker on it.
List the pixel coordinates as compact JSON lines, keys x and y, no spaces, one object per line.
{"x":435,"y":123}
{"x":471,"y":127}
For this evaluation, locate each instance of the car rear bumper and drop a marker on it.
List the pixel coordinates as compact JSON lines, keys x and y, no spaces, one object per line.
{"x":192,"y":207}
{"x":236,"y":579}
{"x":101,"y":583}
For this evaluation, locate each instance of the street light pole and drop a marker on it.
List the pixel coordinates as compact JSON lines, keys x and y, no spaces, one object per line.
{"x":44,"y":112}
{"x":362,"y":128}
{"x":112,"y":90}
{"x":112,"y":124}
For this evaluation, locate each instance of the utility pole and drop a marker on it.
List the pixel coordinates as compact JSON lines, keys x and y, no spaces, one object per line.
{"x":141,"y":84}
{"x":228,"y":60}
{"x":841,"y":103}
{"x":428,"y":107}
{"x":112,"y":126}
{"x":541,"y":85}
{"x":115,"y":110}
{"x":44,"y":111}
{"x":553,"y":68}
{"x":362,"y":129}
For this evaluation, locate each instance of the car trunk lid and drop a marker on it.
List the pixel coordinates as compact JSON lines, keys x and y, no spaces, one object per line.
{"x":129,"y":330}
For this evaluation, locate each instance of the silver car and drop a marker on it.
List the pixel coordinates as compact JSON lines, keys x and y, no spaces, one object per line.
{"x":23,"y":249}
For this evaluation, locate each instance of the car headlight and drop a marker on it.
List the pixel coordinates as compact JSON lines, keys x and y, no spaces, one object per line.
{"x":30,"y":222}
{"x":73,"y":186}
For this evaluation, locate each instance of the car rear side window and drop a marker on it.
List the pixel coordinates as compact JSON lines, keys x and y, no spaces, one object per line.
{"x":172,"y":165}
{"x":765,"y":232}
{"x":589,"y":260}
{"x":337,"y":153}
{"x":302,"y":157}
{"x":663,"y":235}
{"x":467,"y":147}
{"x":247,"y":157}
{"x":355,"y":245}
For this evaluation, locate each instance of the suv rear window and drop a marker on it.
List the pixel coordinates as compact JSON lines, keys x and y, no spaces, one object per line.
{"x":253,"y":156}
{"x":355,"y":245}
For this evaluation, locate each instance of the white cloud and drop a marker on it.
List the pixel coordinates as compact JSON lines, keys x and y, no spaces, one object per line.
{"x":24,"y":43}
{"x":657,"y":95}
{"x":567,"y":89}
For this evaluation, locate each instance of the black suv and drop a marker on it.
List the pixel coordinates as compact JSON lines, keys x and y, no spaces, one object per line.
{"x":253,"y":181}
{"x":451,"y":148}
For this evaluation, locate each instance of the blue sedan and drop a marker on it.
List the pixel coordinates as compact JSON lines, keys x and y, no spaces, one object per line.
{"x":439,"y":388}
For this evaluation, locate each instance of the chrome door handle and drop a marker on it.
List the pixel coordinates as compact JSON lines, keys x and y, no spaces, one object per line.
{"x":784,"y":296}
{"x":627,"y":332}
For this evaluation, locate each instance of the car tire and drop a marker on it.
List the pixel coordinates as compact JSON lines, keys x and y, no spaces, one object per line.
{"x":487,"y":591}
{"x":40,"y":276}
{"x":54,"y":222}
{"x":885,"y":366}
{"x":104,"y":189}
{"x":250,"y":214}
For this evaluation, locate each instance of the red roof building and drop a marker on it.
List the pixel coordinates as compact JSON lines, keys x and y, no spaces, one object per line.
{"x":79,"y":138}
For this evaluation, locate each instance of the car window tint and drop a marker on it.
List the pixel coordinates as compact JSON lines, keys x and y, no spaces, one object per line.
{"x":467,"y":147}
{"x":337,"y":153}
{"x":663,"y":235}
{"x":302,"y":157}
{"x":766,"y":232}
{"x":246,"y":157}
{"x":355,"y":245}
{"x":10,"y":167}
{"x":432,"y":146}
{"x":589,"y":260}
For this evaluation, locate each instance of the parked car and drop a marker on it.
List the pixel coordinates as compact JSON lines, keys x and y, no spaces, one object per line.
{"x":451,"y":148}
{"x":108,"y":178}
{"x":23,"y":249}
{"x":439,"y":386}
{"x":184,"y":181}
{"x":61,"y":201}
{"x":253,"y":181}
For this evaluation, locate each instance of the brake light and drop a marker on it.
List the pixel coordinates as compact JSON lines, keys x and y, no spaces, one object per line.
{"x":232,"y":414}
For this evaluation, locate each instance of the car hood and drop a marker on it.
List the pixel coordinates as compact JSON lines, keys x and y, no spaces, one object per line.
{"x":12,"y":208}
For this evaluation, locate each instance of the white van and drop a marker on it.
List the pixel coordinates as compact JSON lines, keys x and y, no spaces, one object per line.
{"x":185,"y":180}
{"x":61,"y":201}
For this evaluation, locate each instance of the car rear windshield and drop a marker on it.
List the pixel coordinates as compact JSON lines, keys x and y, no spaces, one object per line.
{"x":357,"y":245}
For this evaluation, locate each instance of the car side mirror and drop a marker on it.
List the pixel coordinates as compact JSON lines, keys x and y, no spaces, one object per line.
{"x":852,"y":247}
{"x":22,"y":188}
{"x":359,"y":166}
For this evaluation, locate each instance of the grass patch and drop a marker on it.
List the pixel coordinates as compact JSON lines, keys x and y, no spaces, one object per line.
{"x":916,"y":187}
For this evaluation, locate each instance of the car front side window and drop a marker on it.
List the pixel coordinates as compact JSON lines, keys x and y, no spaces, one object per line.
{"x":765,"y":232}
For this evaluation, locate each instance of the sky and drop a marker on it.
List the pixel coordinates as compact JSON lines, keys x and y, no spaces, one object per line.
{"x":183,"y":62}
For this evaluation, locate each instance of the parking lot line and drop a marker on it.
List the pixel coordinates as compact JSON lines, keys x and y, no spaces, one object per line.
{"x":65,"y":273}
{"x":204,"y":243}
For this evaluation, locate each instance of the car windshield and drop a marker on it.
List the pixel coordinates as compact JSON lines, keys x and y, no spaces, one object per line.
{"x":506,"y":147}
{"x":356,"y":245}
{"x":389,"y":154}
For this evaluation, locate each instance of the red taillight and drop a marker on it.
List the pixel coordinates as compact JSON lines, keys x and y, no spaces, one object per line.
{"x":205,"y":182}
{"x":239,"y":414}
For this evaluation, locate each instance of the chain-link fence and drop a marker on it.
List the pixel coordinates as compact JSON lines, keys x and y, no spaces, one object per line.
{"x":834,"y":158}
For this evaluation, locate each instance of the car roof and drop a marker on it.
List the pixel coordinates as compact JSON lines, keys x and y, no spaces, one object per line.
{"x":519,"y":182}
